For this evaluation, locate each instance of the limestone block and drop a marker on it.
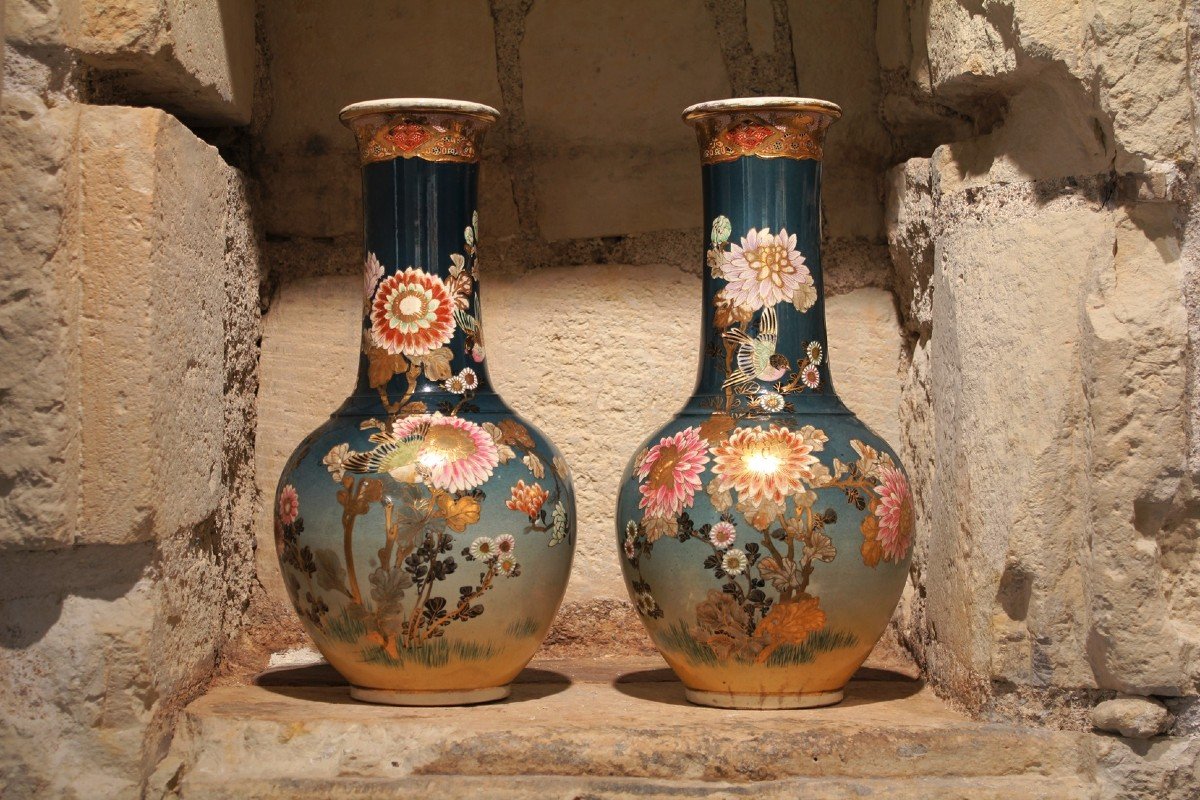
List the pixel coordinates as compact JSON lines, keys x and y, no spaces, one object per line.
{"x":965,"y":45}
{"x":598,"y":370}
{"x":604,"y":85}
{"x":864,"y":353}
{"x":1132,"y":716}
{"x":310,"y":178}
{"x":909,"y":219}
{"x":152,"y":248}
{"x":39,"y":373}
{"x":309,"y":364}
{"x":195,"y":59}
{"x":834,"y":47}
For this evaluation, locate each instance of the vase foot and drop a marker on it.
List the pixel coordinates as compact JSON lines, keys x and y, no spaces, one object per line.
{"x":453,"y":697}
{"x":765,"y":702}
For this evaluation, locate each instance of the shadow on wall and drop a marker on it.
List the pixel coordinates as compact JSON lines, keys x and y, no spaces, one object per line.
{"x":35,"y":585}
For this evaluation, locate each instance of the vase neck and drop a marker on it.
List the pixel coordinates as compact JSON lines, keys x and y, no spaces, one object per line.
{"x":764,"y":295}
{"x":422,"y":327}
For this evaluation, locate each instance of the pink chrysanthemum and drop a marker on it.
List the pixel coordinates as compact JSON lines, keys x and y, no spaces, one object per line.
{"x":412,"y":313}
{"x":289,"y":504}
{"x":764,"y":269}
{"x":722,"y":535}
{"x":764,"y":464}
{"x":456,"y":454}
{"x":895,"y":514}
{"x":670,"y":473}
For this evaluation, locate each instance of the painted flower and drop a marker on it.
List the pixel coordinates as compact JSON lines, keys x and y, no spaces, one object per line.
{"x":764,"y":269}
{"x":646,"y":605}
{"x":412,"y":314}
{"x":505,"y":544}
{"x":469,"y":378}
{"x":334,"y":460}
{"x":289,"y":504}
{"x":734,"y":562}
{"x":629,"y":547}
{"x":372,"y":275}
{"x":766,"y":465}
{"x":722,"y":535}
{"x":455,"y":385}
{"x":895,"y":513}
{"x":558,"y":524}
{"x":772,"y":402}
{"x":528,"y":499}
{"x":455,"y":454}
{"x":508,"y":566}
{"x":810,"y":376}
{"x":669,"y":475}
{"x":477,"y":353}
{"x":482,"y":549}
{"x":814,"y":353}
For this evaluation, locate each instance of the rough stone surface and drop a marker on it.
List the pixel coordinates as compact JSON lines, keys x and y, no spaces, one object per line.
{"x":1043,"y":273}
{"x":127,"y":552}
{"x":621,"y":724}
{"x":195,"y":59}
{"x":1132,"y":716}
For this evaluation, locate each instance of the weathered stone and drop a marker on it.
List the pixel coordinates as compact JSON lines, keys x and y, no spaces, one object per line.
{"x":1164,"y":769}
{"x":309,"y":171}
{"x":1132,"y":716}
{"x":599,"y":721}
{"x":965,"y":44}
{"x":864,"y":354}
{"x":39,"y":314}
{"x":195,"y":59}
{"x":611,"y":158}
{"x":152,"y":254}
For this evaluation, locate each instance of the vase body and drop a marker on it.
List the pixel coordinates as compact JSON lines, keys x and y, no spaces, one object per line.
{"x":765,"y":530}
{"x":425,"y":531}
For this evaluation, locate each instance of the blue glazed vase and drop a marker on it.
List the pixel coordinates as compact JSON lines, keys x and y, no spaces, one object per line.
{"x":765,"y":530}
{"x":425,"y":531}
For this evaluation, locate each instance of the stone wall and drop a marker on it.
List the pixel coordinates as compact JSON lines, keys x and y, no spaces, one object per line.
{"x":1047,"y":272}
{"x":128,"y":371}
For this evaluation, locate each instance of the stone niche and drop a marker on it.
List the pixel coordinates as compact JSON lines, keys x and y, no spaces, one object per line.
{"x":1010,"y":240}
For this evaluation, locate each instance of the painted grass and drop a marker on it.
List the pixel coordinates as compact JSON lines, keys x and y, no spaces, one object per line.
{"x":522,"y":628}
{"x":680,"y":639}
{"x":436,"y":653}
{"x":345,"y":628}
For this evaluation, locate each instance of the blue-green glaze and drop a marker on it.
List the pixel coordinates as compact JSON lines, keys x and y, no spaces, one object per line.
{"x":392,"y":628}
{"x":799,"y":641}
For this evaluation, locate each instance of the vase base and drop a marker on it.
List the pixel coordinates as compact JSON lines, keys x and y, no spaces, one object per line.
{"x":765,"y":702}
{"x":453,"y":697}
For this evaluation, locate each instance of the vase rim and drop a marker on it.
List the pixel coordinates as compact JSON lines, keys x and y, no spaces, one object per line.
{"x":736,"y":104}
{"x":418,"y":105}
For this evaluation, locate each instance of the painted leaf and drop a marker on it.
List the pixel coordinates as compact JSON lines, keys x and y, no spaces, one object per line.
{"x":436,"y":364}
{"x":460,"y":512}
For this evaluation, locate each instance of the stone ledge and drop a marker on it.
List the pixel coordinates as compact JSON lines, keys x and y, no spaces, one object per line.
{"x":608,"y":728}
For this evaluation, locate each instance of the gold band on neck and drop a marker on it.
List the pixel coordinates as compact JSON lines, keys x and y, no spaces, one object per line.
{"x":762,"y":127}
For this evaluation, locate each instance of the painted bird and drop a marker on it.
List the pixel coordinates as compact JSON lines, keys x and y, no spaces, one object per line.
{"x":399,"y":457}
{"x":756,"y":356}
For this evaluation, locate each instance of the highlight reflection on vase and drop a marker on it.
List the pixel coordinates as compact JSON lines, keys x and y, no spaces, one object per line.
{"x":425,"y":532}
{"x":765,"y":531}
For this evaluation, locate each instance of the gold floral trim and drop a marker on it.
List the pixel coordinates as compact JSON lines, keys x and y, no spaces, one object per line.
{"x":430,"y":137}
{"x":775,"y":134}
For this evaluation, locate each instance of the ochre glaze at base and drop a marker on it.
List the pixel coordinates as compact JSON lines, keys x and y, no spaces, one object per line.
{"x":466,"y":697}
{"x":764,"y":702}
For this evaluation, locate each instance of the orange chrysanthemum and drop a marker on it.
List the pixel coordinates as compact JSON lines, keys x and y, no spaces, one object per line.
{"x":528,"y":499}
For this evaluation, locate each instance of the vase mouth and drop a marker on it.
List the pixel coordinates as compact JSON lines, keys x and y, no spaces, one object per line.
{"x":734,"y":105}
{"x":418,"y":105}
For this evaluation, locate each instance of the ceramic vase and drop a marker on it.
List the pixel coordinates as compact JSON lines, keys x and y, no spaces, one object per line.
{"x":765,"y":530}
{"x":425,"y":531}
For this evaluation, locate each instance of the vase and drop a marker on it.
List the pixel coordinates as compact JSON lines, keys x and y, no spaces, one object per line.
{"x":765,"y":530}
{"x":425,"y":531}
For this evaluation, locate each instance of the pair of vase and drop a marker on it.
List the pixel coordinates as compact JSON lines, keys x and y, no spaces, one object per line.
{"x":426,"y":531}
